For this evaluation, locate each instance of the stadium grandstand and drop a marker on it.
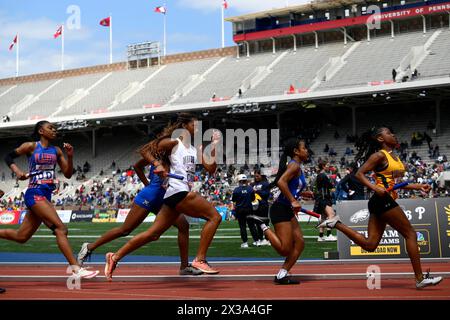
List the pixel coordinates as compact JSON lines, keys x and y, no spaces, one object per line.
{"x":319,"y":70}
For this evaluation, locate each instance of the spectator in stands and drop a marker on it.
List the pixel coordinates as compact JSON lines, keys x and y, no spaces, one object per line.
{"x":243,"y":196}
{"x":327,"y":148}
{"x":336,"y":134}
{"x":415,"y":74}
{"x":240,"y":93}
{"x":6,"y":118}
{"x":332,"y":153}
{"x":427,"y":139}
{"x":213,"y":96}
{"x":113,"y":165}
{"x":348,"y":151}
{"x":394,"y":74}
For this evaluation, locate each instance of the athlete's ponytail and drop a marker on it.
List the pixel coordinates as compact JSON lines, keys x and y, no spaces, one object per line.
{"x":368,"y":144}
{"x":288,"y":151}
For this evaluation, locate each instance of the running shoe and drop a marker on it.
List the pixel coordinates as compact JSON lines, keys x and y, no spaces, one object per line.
{"x":257,"y":243}
{"x":320,"y":239}
{"x":330,"y":238}
{"x":285,"y":280}
{"x":329,"y":223}
{"x":428,"y":281}
{"x":244,"y":245}
{"x":84,"y":254}
{"x":84,"y":273}
{"x":204,"y":266}
{"x":265,"y":243}
{"x":110,"y":266}
{"x":190,"y":271}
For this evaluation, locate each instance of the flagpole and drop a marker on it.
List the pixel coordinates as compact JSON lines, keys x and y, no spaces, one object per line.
{"x":223,"y":26}
{"x":165,"y":35}
{"x":63,"y":31}
{"x":110,"y":39}
{"x":17,"y":55}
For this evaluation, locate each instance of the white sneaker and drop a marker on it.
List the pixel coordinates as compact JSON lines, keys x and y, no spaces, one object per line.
{"x":428,"y":281}
{"x":84,"y":254}
{"x":86,"y":274}
{"x":244,"y":245}
{"x":256,"y":244}
{"x":329,"y":223}
{"x":330,"y":238}
{"x":265,"y":243}
{"x":321,"y":239}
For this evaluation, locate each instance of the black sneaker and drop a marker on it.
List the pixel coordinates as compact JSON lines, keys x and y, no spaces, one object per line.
{"x":2,"y":290}
{"x":285,"y":280}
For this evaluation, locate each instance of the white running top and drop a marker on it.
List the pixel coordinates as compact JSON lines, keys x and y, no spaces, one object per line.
{"x":182,"y":163}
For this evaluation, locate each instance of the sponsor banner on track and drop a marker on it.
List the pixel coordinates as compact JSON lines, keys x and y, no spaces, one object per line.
{"x":82,"y":216}
{"x":104,"y":215}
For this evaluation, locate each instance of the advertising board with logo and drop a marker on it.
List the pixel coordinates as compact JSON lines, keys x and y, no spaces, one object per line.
{"x":9,"y":217}
{"x":104,"y":215}
{"x":425,"y":216}
{"x":123,"y":213}
{"x":82,"y":216}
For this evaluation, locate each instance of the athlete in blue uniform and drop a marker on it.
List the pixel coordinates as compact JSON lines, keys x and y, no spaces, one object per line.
{"x":150,"y":199}
{"x":287,"y":239}
{"x":42,"y":160}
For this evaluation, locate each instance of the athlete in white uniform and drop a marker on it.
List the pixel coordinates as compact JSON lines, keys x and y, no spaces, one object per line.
{"x":181,"y":157}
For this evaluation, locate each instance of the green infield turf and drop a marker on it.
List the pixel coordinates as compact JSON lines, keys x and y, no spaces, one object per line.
{"x":226,"y":243}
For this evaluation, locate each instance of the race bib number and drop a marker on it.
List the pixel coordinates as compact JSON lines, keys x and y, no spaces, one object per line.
{"x":45,"y":177}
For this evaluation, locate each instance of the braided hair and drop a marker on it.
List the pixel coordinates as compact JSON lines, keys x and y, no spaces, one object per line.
{"x":368,"y":144}
{"x":152,"y":146}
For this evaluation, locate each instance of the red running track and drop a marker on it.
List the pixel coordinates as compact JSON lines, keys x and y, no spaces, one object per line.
{"x":181,"y":289}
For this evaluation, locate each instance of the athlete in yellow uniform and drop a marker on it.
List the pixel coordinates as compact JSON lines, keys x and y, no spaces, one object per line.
{"x":376,"y":149}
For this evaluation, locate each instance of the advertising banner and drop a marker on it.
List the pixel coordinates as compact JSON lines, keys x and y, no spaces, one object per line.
{"x":428,"y":217}
{"x":104,"y":215}
{"x":82,"y":216}
{"x":9,"y":217}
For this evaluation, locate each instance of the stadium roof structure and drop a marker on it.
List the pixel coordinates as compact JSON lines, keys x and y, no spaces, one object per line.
{"x":303,"y":8}
{"x":436,"y":89}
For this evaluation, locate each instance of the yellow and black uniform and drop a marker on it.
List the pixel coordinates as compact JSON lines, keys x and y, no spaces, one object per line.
{"x":387,"y":178}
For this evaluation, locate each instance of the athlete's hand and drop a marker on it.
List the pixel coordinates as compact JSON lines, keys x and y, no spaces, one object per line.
{"x":296,"y":206}
{"x":425,"y":187}
{"x":69,"y":149}
{"x":380,"y":191}
{"x":308,"y":195}
{"x":216,"y":137}
{"x":23,"y":176}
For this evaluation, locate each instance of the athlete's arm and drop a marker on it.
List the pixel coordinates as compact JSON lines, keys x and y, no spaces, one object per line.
{"x":139,"y":168}
{"x":25,"y":149}
{"x":66,"y":165}
{"x":209,"y":163}
{"x":166,"y":145}
{"x":290,"y":173}
{"x":375,"y":161}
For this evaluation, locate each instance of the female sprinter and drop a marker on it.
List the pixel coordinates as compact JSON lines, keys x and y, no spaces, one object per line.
{"x":42,"y":159}
{"x":150,"y":199}
{"x":182,"y":158}
{"x":376,"y":149}
{"x":287,"y":238}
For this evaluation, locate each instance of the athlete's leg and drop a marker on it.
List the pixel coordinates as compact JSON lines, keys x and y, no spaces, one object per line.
{"x":282,"y":239}
{"x":396,"y":218}
{"x":183,"y":240}
{"x":134,"y":218}
{"x":165,"y":218}
{"x":298,"y":246}
{"x":196,"y":206}
{"x":375,"y":229}
{"x":47,"y":213}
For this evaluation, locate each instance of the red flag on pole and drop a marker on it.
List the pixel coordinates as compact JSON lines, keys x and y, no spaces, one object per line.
{"x":13,"y":43}
{"x":106,"y":22}
{"x":225,"y":4}
{"x":58,"y":32}
{"x":161,"y":9}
